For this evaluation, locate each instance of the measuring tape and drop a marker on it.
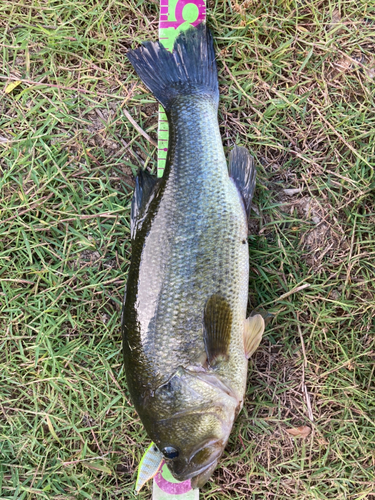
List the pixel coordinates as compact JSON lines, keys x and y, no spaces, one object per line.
{"x":175,"y":16}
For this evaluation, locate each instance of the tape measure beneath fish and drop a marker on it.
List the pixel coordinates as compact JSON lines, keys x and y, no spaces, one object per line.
{"x":175,"y":16}
{"x":165,"y":486}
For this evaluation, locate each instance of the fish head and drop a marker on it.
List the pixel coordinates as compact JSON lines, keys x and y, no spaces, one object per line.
{"x":197,"y":412}
{"x":192,"y":443}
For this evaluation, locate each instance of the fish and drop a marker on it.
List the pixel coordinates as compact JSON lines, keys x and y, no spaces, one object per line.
{"x":186,"y":337}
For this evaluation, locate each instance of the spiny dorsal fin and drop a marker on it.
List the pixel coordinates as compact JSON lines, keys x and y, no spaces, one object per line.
{"x":217,"y":328}
{"x":144,"y":188}
{"x":242,"y":171}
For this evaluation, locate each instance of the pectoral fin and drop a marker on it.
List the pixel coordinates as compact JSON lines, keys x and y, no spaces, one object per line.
{"x":254,"y":328}
{"x":217,"y":328}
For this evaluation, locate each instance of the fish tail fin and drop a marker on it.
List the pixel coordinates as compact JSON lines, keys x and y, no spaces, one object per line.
{"x":189,"y":70}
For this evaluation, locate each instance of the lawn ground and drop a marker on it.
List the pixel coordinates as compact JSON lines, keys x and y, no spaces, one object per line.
{"x":297,"y":83}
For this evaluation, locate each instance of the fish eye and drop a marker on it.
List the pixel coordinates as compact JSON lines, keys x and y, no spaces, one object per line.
{"x":170,"y":452}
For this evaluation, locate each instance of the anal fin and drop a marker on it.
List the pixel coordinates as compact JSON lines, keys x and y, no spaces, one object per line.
{"x":242,"y":171}
{"x":253,"y":332}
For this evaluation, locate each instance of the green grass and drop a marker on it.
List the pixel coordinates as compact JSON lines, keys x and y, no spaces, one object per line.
{"x":297,"y":88}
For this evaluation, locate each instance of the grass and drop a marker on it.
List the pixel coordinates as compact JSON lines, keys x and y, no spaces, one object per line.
{"x":297,"y":88}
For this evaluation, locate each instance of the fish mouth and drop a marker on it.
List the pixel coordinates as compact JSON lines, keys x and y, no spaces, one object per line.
{"x":201,"y":479}
{"x":201,"y":470}
{"x":197,"y":472}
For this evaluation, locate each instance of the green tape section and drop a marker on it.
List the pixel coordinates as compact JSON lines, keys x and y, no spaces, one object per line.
{"x":175,"y":16}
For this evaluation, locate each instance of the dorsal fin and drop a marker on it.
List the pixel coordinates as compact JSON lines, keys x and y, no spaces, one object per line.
{"x":242,"y":171}
{"x":144,"y":189}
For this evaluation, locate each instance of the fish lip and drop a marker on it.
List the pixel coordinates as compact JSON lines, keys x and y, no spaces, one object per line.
{"x":204,"y":467}
{"x":182,"y":477}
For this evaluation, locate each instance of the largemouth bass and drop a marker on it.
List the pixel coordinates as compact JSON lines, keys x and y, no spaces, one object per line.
{"x":186,"y":338}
